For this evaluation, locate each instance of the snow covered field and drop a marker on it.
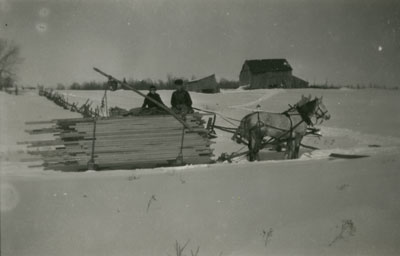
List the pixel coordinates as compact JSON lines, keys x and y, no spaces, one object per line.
{"x":311,"y":206}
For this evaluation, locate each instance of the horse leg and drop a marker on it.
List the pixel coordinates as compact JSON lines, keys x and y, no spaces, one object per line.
{"x":297,"y":145}
{"x":294,"y":148}
{"x":259,"y":139}
{"x":278,"y":147}
{"x":252,"y":155}
{"x":254,"y":150}
{"x":290,"y":148}
{"x":250,"y":147}
{"x":253,"y":146}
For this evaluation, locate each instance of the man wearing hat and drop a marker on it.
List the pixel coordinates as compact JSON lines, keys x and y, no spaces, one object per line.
{"x":155,"y":96}
{"x":180,"y":99}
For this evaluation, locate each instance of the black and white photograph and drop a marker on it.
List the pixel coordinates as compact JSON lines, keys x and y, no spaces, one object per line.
{"x":199,"y":127}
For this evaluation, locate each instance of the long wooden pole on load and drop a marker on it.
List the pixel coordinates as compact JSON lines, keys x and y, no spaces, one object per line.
{"x":145,"y":96}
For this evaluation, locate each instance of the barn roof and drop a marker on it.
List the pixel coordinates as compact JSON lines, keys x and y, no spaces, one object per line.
{"x":268,"y":65}
{"x":206,"y":84}
{"x":208,"y":79}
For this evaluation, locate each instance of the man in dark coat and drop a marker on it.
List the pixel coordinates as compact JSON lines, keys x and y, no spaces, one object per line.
{"x":180,"y":99}
{"x":155,"y":96}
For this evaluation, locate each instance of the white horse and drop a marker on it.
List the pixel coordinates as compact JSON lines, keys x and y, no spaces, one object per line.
{"x":289,"y":126}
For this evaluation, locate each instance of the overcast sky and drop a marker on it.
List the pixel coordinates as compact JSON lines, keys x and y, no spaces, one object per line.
{"x":344,"y":42}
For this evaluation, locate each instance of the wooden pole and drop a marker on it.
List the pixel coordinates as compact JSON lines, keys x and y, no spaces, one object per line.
{"x":106,"y":103}
{"x":91,"y":164}
{"x":145,"y":96}
{"x":179,"y":159}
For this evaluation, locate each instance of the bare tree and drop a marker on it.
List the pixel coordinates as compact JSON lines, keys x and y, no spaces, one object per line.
{"x":9,"y":59}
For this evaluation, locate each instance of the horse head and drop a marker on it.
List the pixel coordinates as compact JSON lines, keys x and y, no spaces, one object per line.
{"x":313,"y":108}
{"x":321,"y":112}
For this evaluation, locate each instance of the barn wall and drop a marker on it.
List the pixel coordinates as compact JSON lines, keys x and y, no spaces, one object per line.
{"x":298,"y":83}
{"x":271,"y":80}
{"x":244,"y":77}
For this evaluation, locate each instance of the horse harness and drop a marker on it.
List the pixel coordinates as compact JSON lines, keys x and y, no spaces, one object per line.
{"x":304,"y":118}
{"x":322,"y":113}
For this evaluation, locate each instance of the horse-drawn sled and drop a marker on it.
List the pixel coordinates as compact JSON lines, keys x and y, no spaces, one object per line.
{"x":168,"y":139}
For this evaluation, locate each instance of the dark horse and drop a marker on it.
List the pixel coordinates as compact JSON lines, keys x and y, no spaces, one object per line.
{"x":289,"y":126}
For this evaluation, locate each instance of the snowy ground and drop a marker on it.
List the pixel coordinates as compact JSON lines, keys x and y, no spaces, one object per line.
{"x":311,"y":206}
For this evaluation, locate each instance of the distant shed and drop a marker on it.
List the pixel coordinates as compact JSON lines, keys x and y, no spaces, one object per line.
{"x":298,"y":82}
{"x":269,"y":73}
{"x":205,"y":85}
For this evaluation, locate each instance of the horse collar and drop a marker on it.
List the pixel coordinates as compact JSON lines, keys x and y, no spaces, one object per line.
{"x":304,"y":116}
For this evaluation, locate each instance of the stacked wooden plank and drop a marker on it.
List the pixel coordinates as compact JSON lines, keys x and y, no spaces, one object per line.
{"x":115,"y":143}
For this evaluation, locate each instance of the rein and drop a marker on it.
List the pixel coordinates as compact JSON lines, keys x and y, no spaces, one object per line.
{"x":320,"y":116}
{"x":277,"y":128}
{"x":304,"y":118}
{"x":288,"y":115}
{"x":319,"y":113}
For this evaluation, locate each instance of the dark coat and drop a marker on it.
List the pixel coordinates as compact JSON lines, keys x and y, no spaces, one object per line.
{"x":151,"y":104}
{"x":181,"y":98}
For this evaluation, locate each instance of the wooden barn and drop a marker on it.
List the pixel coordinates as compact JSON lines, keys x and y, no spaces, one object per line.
{"x":205,"y":85}
{"x":269,"y":73}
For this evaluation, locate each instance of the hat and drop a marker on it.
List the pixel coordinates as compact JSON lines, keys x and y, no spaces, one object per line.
{"x":153,"y":87}
{"x":178,"y":82}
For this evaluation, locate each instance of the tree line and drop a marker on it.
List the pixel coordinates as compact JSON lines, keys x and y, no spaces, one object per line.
{"x":10,"y":58}
{"x":141,"y":84}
